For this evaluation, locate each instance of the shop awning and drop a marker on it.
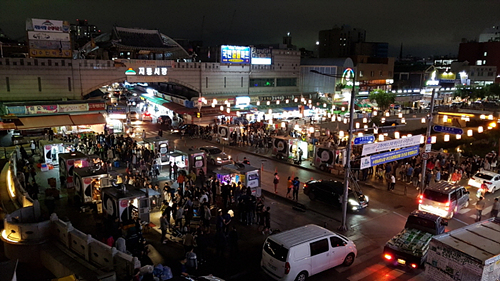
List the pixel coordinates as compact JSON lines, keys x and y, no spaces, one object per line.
{"x":155,"y":100}
{"x":88,"y":119}
{"x":44,"y":122}
{"x":7,"y":126}
{"x":177,"y":108}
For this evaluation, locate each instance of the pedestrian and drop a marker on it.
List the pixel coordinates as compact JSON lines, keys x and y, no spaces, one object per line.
{"x":393,"y":182}
{"x":175,"y":169}
{"x":495,"y":208}
{"x":276,"y":180}
{"x":267,"y":221}
{"x":296,"y":186}
{"x":163,"y":226}
{"x":143,"y":134}
{"x":192,"y":261}
{"x":479,"y":208}
{"x":33,"y":147}
{"x":289,"y":187}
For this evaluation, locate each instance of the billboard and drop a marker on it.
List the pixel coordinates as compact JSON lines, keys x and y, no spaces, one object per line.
{"x":377,"y":159}
{"x":48,"y":36}
{"x":235,"y":54}
{"x":51,"y":49}
{"x":47,"y":25}
{"x":261,"y":56}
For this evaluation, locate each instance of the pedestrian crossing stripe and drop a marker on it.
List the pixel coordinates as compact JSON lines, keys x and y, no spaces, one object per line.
{"x":380,"y":271}
{"x":485,"y":212}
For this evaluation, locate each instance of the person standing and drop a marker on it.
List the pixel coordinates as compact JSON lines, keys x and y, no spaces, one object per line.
{"x":289,"y":187}
{"x":479,"y":208}
{"x":495,"y":208}
{"x":163,"y":226}
{"x":393,"y":182}
{"x":296,"y":186}
{"x":143,"y":134}
{"x":33,"y":147}
{"x":175,"y":169}
{"x":276,"y":180}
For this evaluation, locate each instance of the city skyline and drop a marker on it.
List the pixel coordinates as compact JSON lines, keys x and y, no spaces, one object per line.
{"x":424,"y":27}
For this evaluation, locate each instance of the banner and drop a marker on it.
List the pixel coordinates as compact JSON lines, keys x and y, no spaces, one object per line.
{"x":73,"y":107}
{"x":48,"y":36}
{"x":96,"y":106}
{"x":390,"y":144}
{"x":41,"y":109}
{"x":382,"y":158}
{"x":48,"y":25}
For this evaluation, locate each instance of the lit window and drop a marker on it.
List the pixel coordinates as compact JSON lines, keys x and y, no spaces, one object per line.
{"x":484,"y":62}
{"x":485,"y":54}
{"x":479,"y":62}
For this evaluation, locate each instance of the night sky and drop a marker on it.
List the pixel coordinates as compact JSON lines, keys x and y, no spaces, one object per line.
{"x":425,"y":27}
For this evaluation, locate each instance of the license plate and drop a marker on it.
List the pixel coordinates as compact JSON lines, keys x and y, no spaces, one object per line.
{"x":401,"y":261}
{"x":272,"y":266}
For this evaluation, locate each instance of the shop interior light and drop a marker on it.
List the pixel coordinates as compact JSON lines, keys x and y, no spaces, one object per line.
{"x":333,"y":119}
{"x":396,"y":135}
{"x":446,"y":137}
{"x":310,"y":102}
{"x":213,"y":105}
{"x":365,"y":126}
{"x":311,"y":130}
{"x":459,"y":137}
{"x":228,"y":110}
{"x":480,"y":129}
{"x":343,"y":108}
{"x":329,"y":115}
{"x":324,"y":105}
{"x":409,"y":135}
{"x":469,"y":133}
{"x":214,"y":101}
{"x":375,"y":130}
{"x":433,"y":139}
{"x":283,"y":125}
{"x":492,"y":125}
{"x":270,"y":111}
{"x":339,"y":118}
{"x":277,"y":101}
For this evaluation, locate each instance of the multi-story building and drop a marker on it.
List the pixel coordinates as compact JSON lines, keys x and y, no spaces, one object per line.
{"x":339,"y":42}
{"x":485,"y":55}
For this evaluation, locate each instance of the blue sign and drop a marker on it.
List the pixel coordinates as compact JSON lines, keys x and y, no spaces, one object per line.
{"x":449,"y":130}
{"x":235,"y":54}
{"x":382,"y":158}
{"x":364,"y":139}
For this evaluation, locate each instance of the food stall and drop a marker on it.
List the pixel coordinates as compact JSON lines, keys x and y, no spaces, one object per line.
{"x":51,"y":150}
{"x":89,"y":182}
{"x":249,"y":176}
{"x":286,"y":147}
{"x":155,"y":144}
{"x":125,"y":202}
{"x":68,"y":162}
{"x":225,"y":132}
{"x":189,"y":160}
{"x":328,"y":157}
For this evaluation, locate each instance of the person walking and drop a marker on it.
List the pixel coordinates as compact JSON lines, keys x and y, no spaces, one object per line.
{"x":495,"y":208}
{"x":393,"y":182}
{"x":163,"y":226}
{"x":479,"y":208}
{"x":276,"y":180}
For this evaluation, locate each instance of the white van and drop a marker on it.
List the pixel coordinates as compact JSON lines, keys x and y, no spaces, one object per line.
{"x":304,"y":251}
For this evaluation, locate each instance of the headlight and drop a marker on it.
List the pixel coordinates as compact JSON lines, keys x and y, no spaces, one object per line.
{"x":218,"y":159}
{"x":353,"y":202}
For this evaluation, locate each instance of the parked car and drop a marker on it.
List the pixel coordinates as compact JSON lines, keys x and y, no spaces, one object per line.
{"x":305,"y":251}
{"x":216,"y":156}
{"x":491,"y":179}
{"x":331,"y":191}
{"x":443,"y":199}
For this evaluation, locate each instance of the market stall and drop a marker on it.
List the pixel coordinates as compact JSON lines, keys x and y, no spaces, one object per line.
{"x":125,"y":202}
{"x":286,"y":147}
{"x":249,"y":176}
{"x":189,"y":160}
{"x":328,"y":157}
{"x":68,"y":162}
{"x":51,"y":150}
{"x":89,"y":182}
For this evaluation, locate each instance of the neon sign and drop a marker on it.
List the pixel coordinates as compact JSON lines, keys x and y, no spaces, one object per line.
{"x":148,"y":71}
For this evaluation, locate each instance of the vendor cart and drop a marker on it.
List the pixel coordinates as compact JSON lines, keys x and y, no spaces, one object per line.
{"x":68,"y":162}
{"x":249,"y":176}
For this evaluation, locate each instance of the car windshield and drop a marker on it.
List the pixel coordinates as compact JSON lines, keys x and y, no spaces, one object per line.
{"x":435,"y":196}
{"x":215,"y":151}
{"x":276,"y":251}
{"x":483,"y":176}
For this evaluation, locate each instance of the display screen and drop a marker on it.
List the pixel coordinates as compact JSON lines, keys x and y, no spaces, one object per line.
{"x":235,"y":54}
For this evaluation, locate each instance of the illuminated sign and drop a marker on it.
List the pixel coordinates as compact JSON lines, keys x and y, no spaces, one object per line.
{"x":47,"y":25}
{"x":348,"y":77}
{"x":261,"y":56}
{"x":147,"y":71}
{"x":235,"y":54}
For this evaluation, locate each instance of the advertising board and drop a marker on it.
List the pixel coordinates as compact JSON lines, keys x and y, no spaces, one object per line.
{"x":390,"y":144}
{"x":373,"y":160}
{"x":47,"y":25}
{"x":235,"y":54}
{"x":261,"y":56}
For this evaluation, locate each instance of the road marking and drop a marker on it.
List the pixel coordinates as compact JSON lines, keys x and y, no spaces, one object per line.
{"x":361,"y":259}
{"x":463,"y":211}
{"x":368,"y":271}
{"x":393,"y":274}
{"x":405,"y":217}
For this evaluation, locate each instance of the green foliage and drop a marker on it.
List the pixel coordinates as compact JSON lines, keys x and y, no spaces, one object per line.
{"x":382,"y":98}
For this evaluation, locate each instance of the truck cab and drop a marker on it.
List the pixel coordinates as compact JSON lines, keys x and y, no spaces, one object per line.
{"x":409,"y":247}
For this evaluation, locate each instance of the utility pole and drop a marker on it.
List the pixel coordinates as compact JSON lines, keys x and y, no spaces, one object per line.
{"x":427,"y":138}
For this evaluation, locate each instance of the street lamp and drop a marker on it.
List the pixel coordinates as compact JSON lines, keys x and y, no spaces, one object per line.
{"x":343,"y":226}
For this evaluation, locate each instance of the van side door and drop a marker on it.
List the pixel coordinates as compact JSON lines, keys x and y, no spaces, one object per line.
{"x":320,"y":255}
{"x":338,"y":251}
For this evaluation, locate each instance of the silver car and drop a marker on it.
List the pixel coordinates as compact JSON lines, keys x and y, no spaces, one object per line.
{"x":216,"y":156}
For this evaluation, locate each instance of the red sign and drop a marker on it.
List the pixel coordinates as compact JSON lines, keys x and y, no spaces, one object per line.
{"x":87,"y":180}
{"x":123,"y":203}
{"x":96,"y":106}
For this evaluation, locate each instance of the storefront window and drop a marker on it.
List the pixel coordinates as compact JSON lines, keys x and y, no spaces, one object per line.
{"x":262,"y":82}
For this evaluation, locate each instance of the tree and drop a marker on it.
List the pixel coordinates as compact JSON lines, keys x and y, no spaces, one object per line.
{"x":470,"y":92}
{"x":382,"y":98}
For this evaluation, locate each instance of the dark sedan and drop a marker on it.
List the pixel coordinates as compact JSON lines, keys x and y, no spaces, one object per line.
{"x":331,"y":192}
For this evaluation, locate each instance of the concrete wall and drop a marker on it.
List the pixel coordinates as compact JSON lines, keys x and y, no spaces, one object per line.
{"x":54,"y":79}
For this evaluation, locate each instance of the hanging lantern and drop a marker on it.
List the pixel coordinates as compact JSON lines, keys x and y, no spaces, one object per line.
{"x":446,"y":137}
{"x":221,"y":108}
{"x":360,"y":134}
{"x":445,"y":118}
{"x":345,"y":120}
{"x":375,"y":113}
{"x":459,"y":137}
{"x":365,"y":120}
{"x":400,"y":115}
{"x":423,"y":120}
{"x":387,"y":114}
{"x":357,"y":125}
{"x":268,"y":102}
{"x":433,"y":139}
{"x":277,"y":101}
{"x":381,"y":137}
{"x":287,"y":100}
{"x":480,"y":129}
{"x":422,"y":139}
{"x":258,"y":103}
{"x":396,"y":135}
{"x":382,"y":120}
{"x":469,"y":133}
{"x":341,"y":134}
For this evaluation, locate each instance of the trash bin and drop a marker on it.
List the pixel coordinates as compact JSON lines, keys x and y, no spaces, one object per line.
{"x":117,"y":164}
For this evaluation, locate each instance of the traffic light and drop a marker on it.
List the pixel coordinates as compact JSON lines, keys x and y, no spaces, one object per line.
{"x":198,"y":114}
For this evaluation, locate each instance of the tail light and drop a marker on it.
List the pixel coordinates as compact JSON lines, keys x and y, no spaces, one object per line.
{"x":388,"y":257}
{"x":420,"y":199}
{"x":413,"y":265}
{"x":447,"y":205}
{"x":287,"y":268}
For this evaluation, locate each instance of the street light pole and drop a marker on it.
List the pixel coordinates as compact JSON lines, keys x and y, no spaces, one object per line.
{"x":427,"y":136}
{"x":345,"y":196}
